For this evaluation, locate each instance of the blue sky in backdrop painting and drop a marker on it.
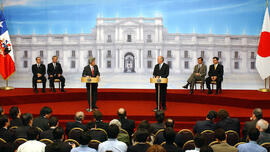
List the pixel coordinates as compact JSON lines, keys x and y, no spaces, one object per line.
{"x":183,"y":16}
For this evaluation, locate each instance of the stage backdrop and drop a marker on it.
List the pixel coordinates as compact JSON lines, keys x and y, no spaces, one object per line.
{"x":127,"y":36}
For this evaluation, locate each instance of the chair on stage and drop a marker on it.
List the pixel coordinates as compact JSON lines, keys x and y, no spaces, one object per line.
{"x":59,"y":83}
{"x":232,"y":137}
{"x":201,"y":83}
{"x":183,"y":136}
{"x":94,"y":144}
{"x":215,"y":83}
{"x":46,"y":141}
{"x":189,"y":145}
{"x":209,"y":136}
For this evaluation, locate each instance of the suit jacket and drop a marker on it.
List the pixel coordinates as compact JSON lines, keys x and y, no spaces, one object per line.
{"x":76,"y":124}
{"x":54,"y":71}
{"x":218,"y":72}
{"x":200,"y":126}
{"x":87,"y":71}
{"x":202,"y":70}
{"x":16,"y":122}
{"x":102,"y":125}
{"x":170,"y":147}
{"x":138,"y":148}
{"x":48,"y":134}
{"x":21,"y":132}
{"x":223,"y":147}
{"x":7,"y":135}
{"x":128,"y":125}
{"x":41,"y":122}
{"x":263,"y":138}
{"x":163,"y":72}
{"x":97,"y":135}
{"x":41,"y":70}
{"x":229,"y":124}
{"x":58,"y":146}
{"x":157,"y":126}
{"x":248,"y":125}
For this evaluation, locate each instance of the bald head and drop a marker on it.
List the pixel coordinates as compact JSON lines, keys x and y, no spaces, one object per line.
{"x":121,"y":113}
{"x":262,"y":125}
{"x":79,"y":116}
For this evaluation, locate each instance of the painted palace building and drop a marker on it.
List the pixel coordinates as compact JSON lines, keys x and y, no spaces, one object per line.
{"x":132,"y":45}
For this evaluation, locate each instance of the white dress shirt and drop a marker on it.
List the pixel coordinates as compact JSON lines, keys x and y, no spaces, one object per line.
{"x":112,"y":145}
{"x":32,"y":146}
{"x":194,"y":150}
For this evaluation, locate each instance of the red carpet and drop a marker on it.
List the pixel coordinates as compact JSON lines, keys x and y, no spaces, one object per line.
{"x":184,"y":108}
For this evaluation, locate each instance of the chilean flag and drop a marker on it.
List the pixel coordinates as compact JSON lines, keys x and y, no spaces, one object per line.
{"x":263,"y":54}
{"x":7,"y":62}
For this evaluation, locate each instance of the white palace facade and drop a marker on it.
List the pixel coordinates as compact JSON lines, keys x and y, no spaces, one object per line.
{"x":132,"y":45}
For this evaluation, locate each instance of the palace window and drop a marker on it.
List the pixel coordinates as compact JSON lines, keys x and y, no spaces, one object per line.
{"x":236,"y":65}
{"x":186,"y":54}
{"x":41,"y":53}
{"x":149,"y":64}
{"x":252,"y":65}
{"x":73,"y":53}
{"x":57,"y":53}
{"x":73,"y":64}
{"x":149,"y":53}
{"x":90,"y":53}
{"x":149,"y":39}
{"x":186,"y":65}
{"x":129,"y":38}
{"x":109,"y":54}
{"x":25,"y":64}
{"x":219,"y":54}
{"x":109,"y":64}
{"x":109,"y":39}
{"x":169,"y":53}
{"x":25,"y":54}
{"x":252,"y":55}
{"x":170,"y":64}
{"x":236,"y":55}
{"x":202,"y":54}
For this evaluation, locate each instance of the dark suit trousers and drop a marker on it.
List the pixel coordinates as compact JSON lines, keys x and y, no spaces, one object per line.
{"x":94,"y":93}
{"x":218,"y":81}
{"x":61,"y":78}
{"x":163,"y":93}
{"x":35,"y":78}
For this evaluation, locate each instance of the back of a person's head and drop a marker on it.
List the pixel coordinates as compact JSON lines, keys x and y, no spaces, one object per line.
{"x":115,"y":122}
{"x":160,"y":116}
{"x":26,"y":118}
{"x":13,"y":112}
{"x":79,"y":116}
{"x":45,"y":111}
{"x":97,"y":115}
{"x":58,"y":133}
{"x":199,"y":140}
{"x":206,"y":149}
{"x":53,"y":121}
{"x":1,"y":110}
{"x":122,"y":113}
{"x":262,"y":125}
{"x":84,"y":138}
{"x":32,"y":133}
{"x":55,"y":147}
{"x":253,"y":134}
{"x":258,"y":113}
{"x":223,"y":114}
{"x":212,"y":115}
{"x":144,"y":124}
{"x":113,"y":131}
{"x":169,"y":123}
{"x":3,"y":120}
{"x":141,"y":135}
{"x":156,"y":148}
{"x":169,"y":135}
{"x":220,"y":134}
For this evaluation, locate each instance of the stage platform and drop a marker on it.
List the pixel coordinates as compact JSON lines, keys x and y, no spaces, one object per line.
{"x":184,"y":108}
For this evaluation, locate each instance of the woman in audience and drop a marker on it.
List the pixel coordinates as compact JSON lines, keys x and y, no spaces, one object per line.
{"x":15,"y":114}
{"x":156,"y":148}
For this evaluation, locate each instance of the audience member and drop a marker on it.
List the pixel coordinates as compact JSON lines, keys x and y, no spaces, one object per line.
{"x":252,"y":145}
{"x":15,"y":114}
{"x":48,"y":134}
{"x":159,"y":138}
{"x":199,"y":143}
{"x":112,"y":144}
{"x":2,"y":112}
{"x":226,"y":122}
{"x":84,"y":140}
{"x":122,"y":136}
{"x":42,"y":121}
{"x":206,"y":149}
{"x":98,"y":123}
{"x":141,"y":145}
{"x":79,"y":117}
{"x":207,"y":124}
{"x":21,"y":131}
{"x":127,"y":124}
{"x":32,"y":145}
{"x":262,"y":126}
{"x":160,"y":116}
{"x":169,"y":135}
{"x":4,"y":132}
{"x":156,"y":148}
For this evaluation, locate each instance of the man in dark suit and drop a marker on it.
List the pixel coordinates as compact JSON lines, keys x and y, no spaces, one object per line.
{"x":21,"y":131}
{"x":55,"y":72}
{"x":257,"y":114}
{"x":48,"y":134}
{"x":42,"y":121}
{"x":79,"y":117}
{"x":127,"y":124}
{"x":198,"y":74}
{"x":226,"y":122}
{"x":161,"y":70}
{"x":207,"y":124}
{"x":91,"y":70}
{"x":4,"y":132}
{"x":39,"y":71}
{"x":160,"y":116}
{"x":215,"y":74}
{"x":141,"y":137}
{"x":262,"y":126}
{"x":97,"y":122}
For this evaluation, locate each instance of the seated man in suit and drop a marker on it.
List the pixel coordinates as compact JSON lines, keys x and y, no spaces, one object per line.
{"x":4,"y":132}
{"x":79,"y":117}
{"x":141,"y":137}
{"x":159,"y":138}
{"x":198,"y":74}
{"x":215,"y":74}
{"x":160,"y":116}
{"x":42,"y":121}
{"x":91,"y":70}
{"x":39,"y":71}
{"x":48,"y":134}
{"x":127,"y":124}
{"x":262,"y":126}
{"x":98,"y":120}
{"x":226,"y":122}
{"x":15,"y":114}
{"x":21,"y":131}
{"x":222,"y":146}
{"x":161,"y":70}
{"x":207,"y":124}
{"x":55,"y":72}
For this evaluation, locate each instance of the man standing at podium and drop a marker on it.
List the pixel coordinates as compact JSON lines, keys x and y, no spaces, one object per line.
{"x":39,"y":71}
{"x":55,"y":72}
{"x":161,"y":70}
{"x":91,"y":70}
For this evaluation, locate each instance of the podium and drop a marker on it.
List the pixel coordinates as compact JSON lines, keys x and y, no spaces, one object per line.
{"x":159,"y":81}
{"x":90,"y":80}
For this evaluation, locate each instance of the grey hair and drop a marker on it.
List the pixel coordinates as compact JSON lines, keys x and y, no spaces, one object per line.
{"x":115,"y":122}
{"x":91,"y":59}
{"x":162,"y":58}
{"x":79,"y":116}
{"x":263,"y":124}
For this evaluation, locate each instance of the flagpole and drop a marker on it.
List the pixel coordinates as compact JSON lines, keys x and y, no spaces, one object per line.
{"x":6,"y":87}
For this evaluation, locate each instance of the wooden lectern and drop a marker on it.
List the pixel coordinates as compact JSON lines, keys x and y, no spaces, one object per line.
{"x":90,"y":80}
{"x":158,"y":81}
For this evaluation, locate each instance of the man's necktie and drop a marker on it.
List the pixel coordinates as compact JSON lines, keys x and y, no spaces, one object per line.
{"x":215,"y":67}
{"x":199,"y":69}
{"x":92,"y":69}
